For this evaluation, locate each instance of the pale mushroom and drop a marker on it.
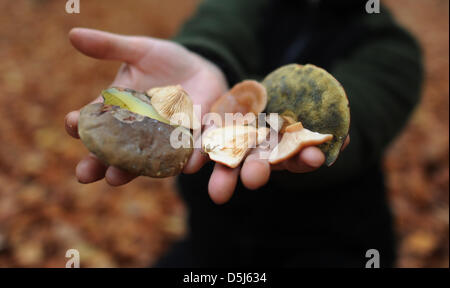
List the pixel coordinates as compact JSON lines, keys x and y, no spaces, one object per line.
{"x":126,"y":132}
{"x":311,"y":95}
{"x":230,"y":144}
{"x":295,"y":139}
{"x":174,"y":104}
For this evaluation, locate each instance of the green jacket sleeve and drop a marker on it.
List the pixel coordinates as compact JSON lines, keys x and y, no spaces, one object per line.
{"x":227,"y":33}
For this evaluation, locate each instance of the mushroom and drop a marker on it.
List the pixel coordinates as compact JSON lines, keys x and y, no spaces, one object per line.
{"x":230,"y":144}
{"x":248,"y":96}
{"x":279,"y":123}
{"x":126,"y":131}
{"x":295,"y":138}
{"x":309,"y":94}
{"x":173,"y":103}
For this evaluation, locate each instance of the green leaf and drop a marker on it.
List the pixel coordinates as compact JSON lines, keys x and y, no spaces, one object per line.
{"x":126,"y":100}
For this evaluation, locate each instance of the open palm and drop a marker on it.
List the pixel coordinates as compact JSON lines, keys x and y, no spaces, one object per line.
{"x":150,"y":62}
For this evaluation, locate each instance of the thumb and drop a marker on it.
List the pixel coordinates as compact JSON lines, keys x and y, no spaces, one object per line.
{"x":105,"y":45}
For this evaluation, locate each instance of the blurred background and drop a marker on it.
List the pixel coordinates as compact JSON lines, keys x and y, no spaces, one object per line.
{"x":44,"y":210}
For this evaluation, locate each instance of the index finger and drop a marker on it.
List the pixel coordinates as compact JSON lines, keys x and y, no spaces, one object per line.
{"x":255,"y":171}
{"x":308,"y":159}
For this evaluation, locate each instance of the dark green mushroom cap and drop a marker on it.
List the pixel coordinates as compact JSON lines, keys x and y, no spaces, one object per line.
{"x":311,"y":95}
{"x":132,"y":142}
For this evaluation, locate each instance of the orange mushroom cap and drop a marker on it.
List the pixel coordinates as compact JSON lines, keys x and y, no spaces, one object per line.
{"x":246,"y":96}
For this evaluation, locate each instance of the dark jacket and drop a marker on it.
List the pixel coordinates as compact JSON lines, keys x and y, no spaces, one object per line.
{"x":332,"y":216}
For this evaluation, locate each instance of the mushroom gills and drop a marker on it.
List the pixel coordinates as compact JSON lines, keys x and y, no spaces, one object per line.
{"x":230,"y":144}
{"x":173,"y":103}
{"x":134,"y":143}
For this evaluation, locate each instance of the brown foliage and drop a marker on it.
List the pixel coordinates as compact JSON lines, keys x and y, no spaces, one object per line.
{"x":43,"y":209}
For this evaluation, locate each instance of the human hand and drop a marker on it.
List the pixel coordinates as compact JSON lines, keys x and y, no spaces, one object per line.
{"x":148,"y":62}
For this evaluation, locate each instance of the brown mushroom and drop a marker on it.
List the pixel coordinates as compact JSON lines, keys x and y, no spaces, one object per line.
{"x":295,"y":139}
{"x":133,"y":142}
{"x":248,"y":96}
